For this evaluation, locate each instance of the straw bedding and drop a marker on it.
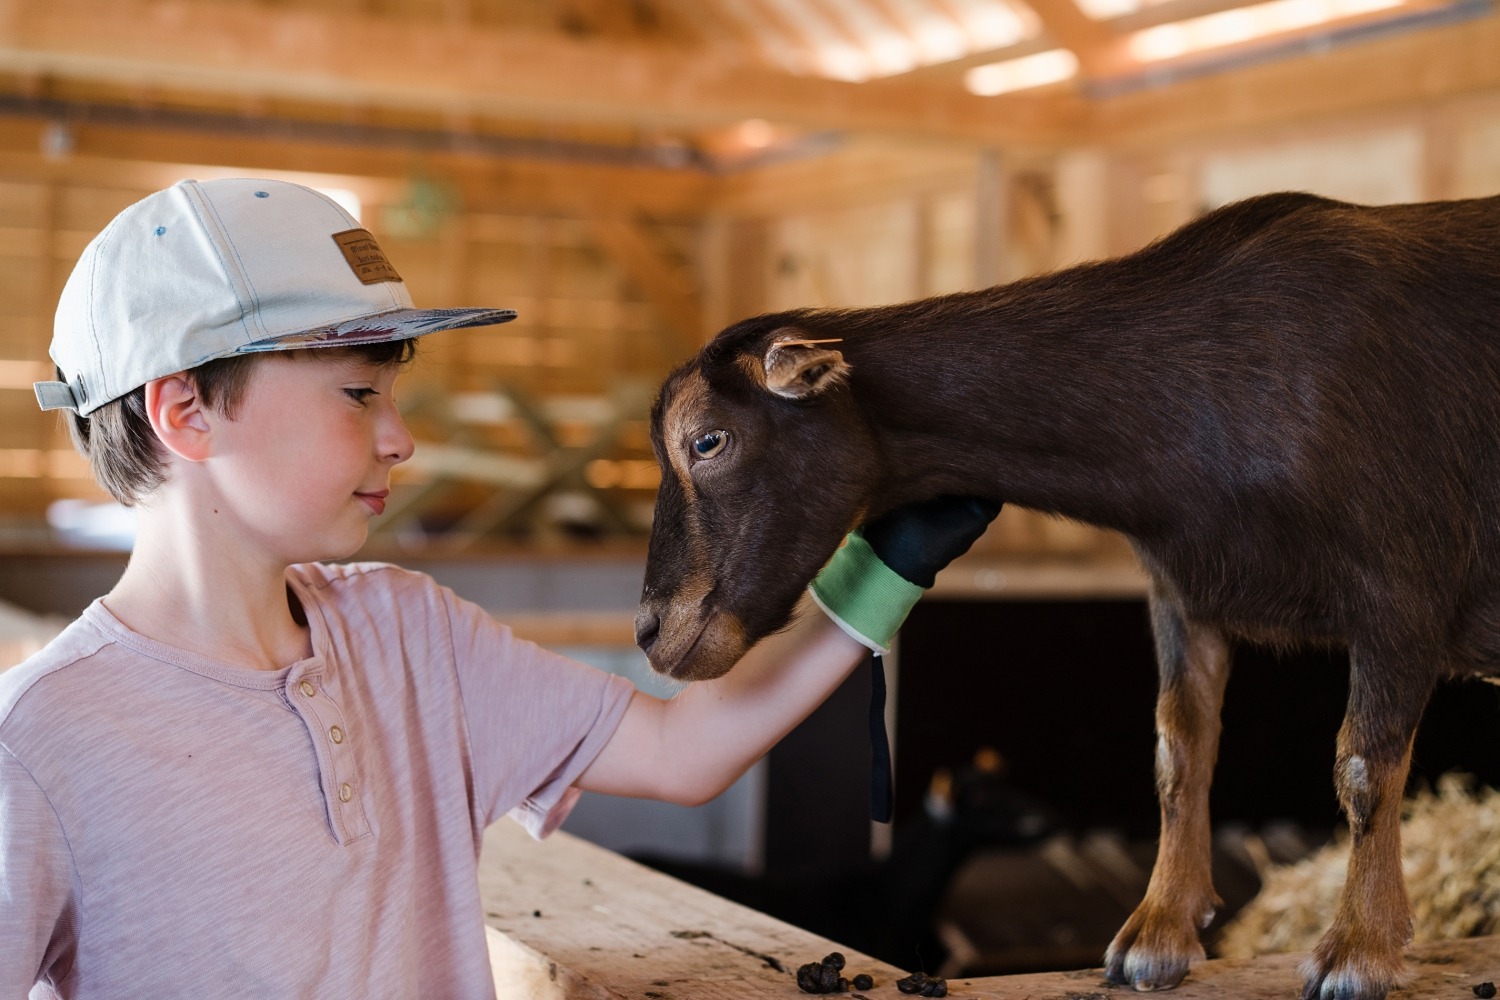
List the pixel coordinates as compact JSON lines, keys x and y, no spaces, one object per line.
{"x":1450,"y":854}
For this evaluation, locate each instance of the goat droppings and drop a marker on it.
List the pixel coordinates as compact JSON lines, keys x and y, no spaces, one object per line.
{"x":923,"y":984}
{"x":823,"y":977}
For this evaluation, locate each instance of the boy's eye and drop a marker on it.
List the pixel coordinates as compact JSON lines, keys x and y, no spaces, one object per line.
{"x":359,"y":395}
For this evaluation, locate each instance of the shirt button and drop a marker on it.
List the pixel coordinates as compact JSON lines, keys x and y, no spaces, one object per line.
{"x":336,"y":734}
{"x":307,"y":688}
{"x":346,"y":792}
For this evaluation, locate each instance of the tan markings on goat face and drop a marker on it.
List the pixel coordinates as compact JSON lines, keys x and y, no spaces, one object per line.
{"x":714,"y":637}
{"x":722,"y":645}
{"x":679,"y":422}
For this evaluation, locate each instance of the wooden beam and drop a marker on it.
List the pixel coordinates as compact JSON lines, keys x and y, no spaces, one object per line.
{"x":894,"y":19}
{"x":152,"y":157}
{"x":766,"y":18}
{"x":688,"y":25}
{"x":1072,"y":29}
{"x":837,"y":21}
{"x":601,"y":17}
{"x":246,"y":50}
{"x":657,"y":277}
{"x":1108,"y":63}
{"x":1385,"y":74}
{"x":1113,"y":61}
{"x":723,"y":31}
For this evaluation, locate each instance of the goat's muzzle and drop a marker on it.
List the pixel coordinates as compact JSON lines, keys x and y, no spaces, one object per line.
{"x":689,"y":643}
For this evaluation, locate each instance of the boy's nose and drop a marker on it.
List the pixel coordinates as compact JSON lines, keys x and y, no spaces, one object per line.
{"x":397,"y":444}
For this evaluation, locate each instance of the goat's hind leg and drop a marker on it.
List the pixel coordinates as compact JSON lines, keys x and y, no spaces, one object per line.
{"x":1360,"y":955}
{"x":1160,"y":939}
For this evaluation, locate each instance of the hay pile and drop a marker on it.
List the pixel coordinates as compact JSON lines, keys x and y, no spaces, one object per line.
{"x":1451,"y":857}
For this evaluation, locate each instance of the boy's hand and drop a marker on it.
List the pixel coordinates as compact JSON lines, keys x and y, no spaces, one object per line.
{"x":872,"y":582}
{"x":921,"y":538}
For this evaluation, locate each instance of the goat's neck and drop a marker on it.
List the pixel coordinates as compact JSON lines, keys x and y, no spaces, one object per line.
{"x":1035,"y":416}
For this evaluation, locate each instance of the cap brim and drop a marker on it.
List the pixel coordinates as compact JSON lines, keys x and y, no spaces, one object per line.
{"x":398,"y":324}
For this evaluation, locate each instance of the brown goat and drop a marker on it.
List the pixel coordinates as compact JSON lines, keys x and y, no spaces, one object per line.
{"x":1291,"y":406}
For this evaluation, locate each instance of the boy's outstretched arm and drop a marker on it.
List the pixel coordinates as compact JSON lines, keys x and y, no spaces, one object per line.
{"x":689,"y":748}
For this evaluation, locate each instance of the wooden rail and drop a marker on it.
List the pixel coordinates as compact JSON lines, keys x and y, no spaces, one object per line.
{"x":571,"y":921}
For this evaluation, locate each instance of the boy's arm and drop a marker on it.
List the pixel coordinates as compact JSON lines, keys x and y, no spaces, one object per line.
{"x":691,"y":747}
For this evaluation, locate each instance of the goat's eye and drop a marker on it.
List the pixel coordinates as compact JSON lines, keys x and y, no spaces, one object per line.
{"x":710,"y":444}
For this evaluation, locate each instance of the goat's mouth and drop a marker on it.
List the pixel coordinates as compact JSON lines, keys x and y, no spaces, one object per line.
{"x":701,"y":654}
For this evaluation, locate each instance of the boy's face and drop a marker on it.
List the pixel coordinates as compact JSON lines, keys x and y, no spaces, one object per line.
{"x":305,"y":463}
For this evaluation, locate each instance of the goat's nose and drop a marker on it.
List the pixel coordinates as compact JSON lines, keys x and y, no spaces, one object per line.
{"x":647,"y":625}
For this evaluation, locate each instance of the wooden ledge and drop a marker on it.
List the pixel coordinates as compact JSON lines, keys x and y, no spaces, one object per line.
{"x":571,"y":921}
{"x":611,"y":928}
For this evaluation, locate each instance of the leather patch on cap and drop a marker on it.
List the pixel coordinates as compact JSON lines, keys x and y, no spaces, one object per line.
{"x":366,"y":259}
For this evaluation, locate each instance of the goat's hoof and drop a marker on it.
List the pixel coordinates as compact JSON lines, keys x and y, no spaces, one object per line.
{"x":1147,"y":955}
{"x":1327,"y":978}
{"x":1147,"y":976}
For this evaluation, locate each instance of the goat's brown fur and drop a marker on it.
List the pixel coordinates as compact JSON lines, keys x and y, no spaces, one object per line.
{"x":1291,"y":406}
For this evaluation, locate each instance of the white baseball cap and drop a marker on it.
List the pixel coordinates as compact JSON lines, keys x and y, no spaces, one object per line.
{"x":208,"y":270}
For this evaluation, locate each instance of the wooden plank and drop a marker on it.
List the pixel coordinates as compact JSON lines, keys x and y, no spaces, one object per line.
{"x":1071,"y":28}
{"x":1442,"y":971}
{"x":146,"y":158}
{"x":1405,"y":72}
{"x":571,"y":921}
{"x":577,"y":921}
{"x":244,"y":50}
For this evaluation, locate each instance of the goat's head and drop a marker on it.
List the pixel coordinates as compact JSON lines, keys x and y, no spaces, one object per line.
{"x":766,"y":463}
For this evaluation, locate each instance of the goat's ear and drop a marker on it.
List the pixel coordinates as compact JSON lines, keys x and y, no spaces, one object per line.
{"x":798,"y":369}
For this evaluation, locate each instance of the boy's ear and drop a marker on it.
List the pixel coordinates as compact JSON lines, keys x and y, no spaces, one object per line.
{"x":178,"y":416}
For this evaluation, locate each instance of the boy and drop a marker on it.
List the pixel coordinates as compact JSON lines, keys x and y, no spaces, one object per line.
{"x":244,"y":771}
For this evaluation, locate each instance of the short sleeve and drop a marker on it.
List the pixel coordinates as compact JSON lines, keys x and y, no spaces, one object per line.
{"x":36,"y":884}
{"x":536,"y":720}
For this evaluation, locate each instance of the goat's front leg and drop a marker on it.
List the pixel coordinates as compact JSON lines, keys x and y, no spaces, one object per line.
{"x":1160,"y":940}
{"x":1360,"y":955}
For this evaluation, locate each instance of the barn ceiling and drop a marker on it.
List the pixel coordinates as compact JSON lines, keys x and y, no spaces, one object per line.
{"x":715,"y":83}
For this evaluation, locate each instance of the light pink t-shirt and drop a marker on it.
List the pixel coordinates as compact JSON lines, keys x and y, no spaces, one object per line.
{"x":171,"y":826}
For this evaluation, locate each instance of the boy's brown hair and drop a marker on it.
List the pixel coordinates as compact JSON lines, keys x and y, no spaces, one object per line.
{"x":123,"y":450}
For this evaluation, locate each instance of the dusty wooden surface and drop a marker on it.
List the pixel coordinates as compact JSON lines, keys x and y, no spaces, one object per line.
{"x":571,"y":921}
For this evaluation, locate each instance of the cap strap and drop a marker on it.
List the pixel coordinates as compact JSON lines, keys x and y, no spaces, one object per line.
{"x":55,"y":396}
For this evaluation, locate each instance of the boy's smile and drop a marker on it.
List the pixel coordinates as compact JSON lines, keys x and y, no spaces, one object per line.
{"x":375,"y":501}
